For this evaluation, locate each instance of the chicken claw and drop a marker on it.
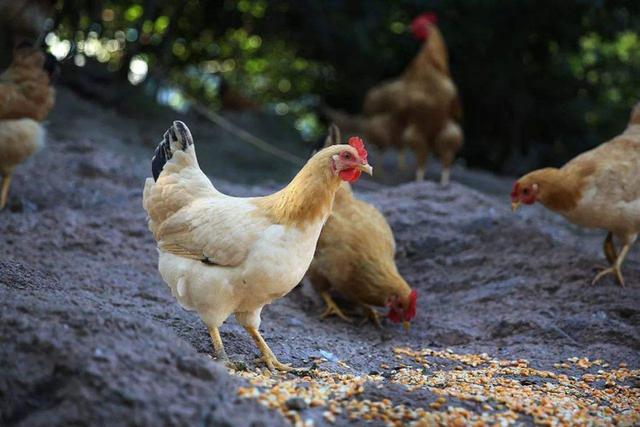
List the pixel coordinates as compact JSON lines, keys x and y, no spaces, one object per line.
{"x":267,"y":355}
{"x":611,"y":270}
{"x":273,"y":364}
{"x":332,"y":308}
{"x":615,"y":267}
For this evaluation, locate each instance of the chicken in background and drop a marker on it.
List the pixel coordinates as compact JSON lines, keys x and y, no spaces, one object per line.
{"x":25,"y":20}
{"x":447,"y":143}
{"x":25,"y":87}
{"x":231,"y":100}
{"x":224,"y":255}
{"x":26,"y":97}
{"x":598,"y":189}
{"x":415,"y":108}
{"x":381,"y":130}
{"x":355,"y":259}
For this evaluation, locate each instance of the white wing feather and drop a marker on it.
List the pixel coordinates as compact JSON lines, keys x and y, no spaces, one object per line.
{"x":219,"y":230}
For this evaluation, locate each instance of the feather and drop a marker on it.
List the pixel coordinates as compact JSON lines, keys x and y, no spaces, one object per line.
{"x":177,"y":137}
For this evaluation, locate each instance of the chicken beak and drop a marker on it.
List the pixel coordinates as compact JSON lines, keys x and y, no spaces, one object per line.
{"x":366,"y":168}
{"x":515,"y":205}
{"x":406,"y":325}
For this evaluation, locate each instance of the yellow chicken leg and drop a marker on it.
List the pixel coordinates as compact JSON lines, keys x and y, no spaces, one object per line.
{"x":402,"y":160}
{"x":4,"y":190}
{"x":221,"y":355}
{"x":332,"y":307}
{"x":445,"y":177}
{"x":267,"y":355}
{"x":609,"y":249}
{"x":615,"y":268}
{"x":371,"y":314}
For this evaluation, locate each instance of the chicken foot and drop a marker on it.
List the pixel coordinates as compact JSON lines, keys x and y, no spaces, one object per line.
{"x":332,"y":307}
{"x":267,"y":355}
{"x":371,"y":314}
{"x":4,"y":190}
{"x":221,"y":354}
{"x":615,"y":267}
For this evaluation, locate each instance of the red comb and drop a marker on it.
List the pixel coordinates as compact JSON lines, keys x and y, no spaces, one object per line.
{"x":358,"y":144}
{"x":420,"y":22}
{"x":429,"y":17}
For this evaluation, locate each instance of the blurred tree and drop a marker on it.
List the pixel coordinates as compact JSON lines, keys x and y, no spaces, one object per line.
{"x":540,"y":80}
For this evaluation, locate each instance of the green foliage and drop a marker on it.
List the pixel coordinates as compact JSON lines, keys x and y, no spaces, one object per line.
{"x":540,"y":80}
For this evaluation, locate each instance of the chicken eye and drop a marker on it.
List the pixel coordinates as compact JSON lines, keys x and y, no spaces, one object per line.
{"x":346,"y":156}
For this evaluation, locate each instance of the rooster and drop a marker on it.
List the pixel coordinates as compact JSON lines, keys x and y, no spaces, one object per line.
{"x":362,"y":270}
{"x":224,"y":255}
{"x":26,"y":97}
{"x":417,"y":107}
{"x":597,"y":189}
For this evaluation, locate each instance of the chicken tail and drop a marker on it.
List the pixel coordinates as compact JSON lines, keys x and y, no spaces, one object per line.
{"x":177,"y":179}
{"x":177,"y":137}
{"x":635,"y":115}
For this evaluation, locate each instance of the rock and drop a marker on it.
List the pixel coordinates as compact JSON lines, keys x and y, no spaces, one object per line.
{"x":296,"y":404}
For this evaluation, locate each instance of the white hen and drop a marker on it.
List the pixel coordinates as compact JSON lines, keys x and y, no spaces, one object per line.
{"x":225,"y":255}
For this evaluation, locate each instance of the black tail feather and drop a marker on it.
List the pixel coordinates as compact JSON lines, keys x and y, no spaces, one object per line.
{"x":180,"y":135}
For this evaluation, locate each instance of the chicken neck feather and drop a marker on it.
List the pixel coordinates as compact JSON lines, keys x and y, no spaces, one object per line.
{"x":309,"y":196}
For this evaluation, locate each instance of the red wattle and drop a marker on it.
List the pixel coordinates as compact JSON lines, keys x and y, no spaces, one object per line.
{"x":394,"y":316}
{"x":349,"y":175}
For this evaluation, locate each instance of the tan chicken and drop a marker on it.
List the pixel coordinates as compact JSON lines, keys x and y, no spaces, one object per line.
{"x":381,"y":130}
{"x":415,"y":108}
{"x":597,"y":189}
{"x":355,"y":259}
{"x":224,"y":255}
{"x":26,"y":98}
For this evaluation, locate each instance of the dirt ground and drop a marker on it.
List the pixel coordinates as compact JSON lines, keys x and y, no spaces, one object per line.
{"x":91,"y":334}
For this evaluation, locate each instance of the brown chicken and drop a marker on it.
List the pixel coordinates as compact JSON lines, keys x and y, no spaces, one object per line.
{"x":355,"y":259}
{"x":420,"y":109}
{"x":25,"y":90}
{"x":25,"y":99}
{"x":597,"y":189}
